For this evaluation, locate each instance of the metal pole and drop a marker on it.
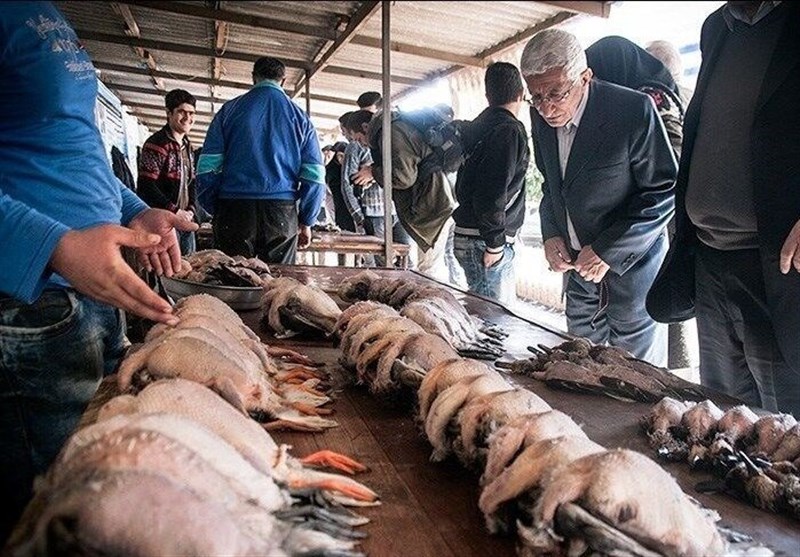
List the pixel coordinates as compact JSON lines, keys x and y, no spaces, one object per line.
{"x":308,"y":95}
{"x":386,"y":139}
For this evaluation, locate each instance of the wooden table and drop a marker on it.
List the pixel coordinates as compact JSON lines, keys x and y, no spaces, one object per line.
{"x":431,"y":508}
{"x":351,"y":244}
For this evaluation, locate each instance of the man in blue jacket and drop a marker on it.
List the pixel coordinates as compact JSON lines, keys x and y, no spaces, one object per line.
{"x":261,"y":170}
{"x":61,"y":270}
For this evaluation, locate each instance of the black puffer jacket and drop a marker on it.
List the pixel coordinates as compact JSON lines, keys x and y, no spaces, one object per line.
{"x":491,"y":183}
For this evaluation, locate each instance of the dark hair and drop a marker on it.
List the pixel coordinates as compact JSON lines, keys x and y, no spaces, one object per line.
{"x":344,"y":119}
{"x":339,"y":147}
{"x":503,"y":83}
{"x":368,"y":99}
{"x":270,"y":68}
{"x":357,"y":120}
{"x":177,"y":97}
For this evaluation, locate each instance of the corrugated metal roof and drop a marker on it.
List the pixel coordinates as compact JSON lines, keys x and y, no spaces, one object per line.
{"x":144,"y":48}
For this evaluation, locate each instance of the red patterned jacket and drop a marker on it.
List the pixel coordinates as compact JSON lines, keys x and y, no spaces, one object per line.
{"x":159,"y":178}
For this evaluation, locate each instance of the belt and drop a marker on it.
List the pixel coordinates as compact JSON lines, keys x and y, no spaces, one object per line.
{"x":475,"y":233}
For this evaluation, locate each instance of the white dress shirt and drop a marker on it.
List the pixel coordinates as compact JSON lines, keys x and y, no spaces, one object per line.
{"x":566,"y":136}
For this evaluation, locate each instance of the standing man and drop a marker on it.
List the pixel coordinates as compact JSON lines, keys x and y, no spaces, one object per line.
{"x":491,"y":187}
{"x":609,"y":174}
{"x":735,"y":261}
{"x":371,"y":211}
{"x":166,"y":165}
{"x":63,"y":218}
{"x":261,"y":171}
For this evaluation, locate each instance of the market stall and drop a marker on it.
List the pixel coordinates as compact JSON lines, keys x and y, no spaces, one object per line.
{"x":431,"y":508}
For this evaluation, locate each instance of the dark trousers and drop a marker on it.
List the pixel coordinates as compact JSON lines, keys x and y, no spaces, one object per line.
{"x":617,"y":316}
{"x":739,"y":354}
{"x":266,"y":228}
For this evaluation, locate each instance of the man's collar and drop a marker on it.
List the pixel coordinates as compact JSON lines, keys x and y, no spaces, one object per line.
{"x":171,"y":136}
{"x":268,"y":83}
{"x":732,"y":12}
{"x":576,"y":118}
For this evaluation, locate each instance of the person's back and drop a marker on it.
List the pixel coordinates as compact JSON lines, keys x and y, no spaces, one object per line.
{"x":263,"y":136}
{"x":423,"y":208}
{"x":261,"y":171}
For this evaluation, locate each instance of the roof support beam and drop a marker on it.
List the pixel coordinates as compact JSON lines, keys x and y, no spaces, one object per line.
{"x":206,"y":52}
{"x":256,"y":21}
{"x":220,"y":41}
{"x":430,"y":53}
{"x":132,"y":30}
{"x":362,"y":15}
{"x":376,"y":76}
{"x":106,"y":66}
{"x":597,"y":9}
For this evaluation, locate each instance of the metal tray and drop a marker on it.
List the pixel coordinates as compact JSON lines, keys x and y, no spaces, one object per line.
{"x":235,"y":296}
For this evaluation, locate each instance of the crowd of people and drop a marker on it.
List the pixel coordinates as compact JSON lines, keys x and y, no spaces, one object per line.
{"x":625,"y":160}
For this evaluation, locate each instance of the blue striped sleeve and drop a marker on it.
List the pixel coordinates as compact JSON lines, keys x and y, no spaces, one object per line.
{"x":311,"y":172}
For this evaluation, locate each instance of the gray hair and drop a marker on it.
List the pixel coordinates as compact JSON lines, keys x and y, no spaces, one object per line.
{"x":551,"y":49}
{"x":669,"y":56}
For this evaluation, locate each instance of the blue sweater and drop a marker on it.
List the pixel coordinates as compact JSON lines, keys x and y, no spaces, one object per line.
{"x":261,"y":145}
{"x":54,"y":174}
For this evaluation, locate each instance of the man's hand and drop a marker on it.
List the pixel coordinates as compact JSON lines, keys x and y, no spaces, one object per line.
{"x":590,"y":266}
{"x":363,"y":177}
{"x":303,"y":236}
{"x":557,"y":255}
{"x":185,"y":215}
{"x":91,"y":262}
{"x":165,"y":257}
{"x":490,"y":258}
{"x":790,"y":253}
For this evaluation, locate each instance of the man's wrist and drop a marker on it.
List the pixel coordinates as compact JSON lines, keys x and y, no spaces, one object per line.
{"x":494,"y":251}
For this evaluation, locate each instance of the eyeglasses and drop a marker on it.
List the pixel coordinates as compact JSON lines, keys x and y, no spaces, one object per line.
{"x":551,"y":98}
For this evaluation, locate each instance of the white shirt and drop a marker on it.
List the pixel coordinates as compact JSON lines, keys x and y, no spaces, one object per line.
{"x":566,"y":136}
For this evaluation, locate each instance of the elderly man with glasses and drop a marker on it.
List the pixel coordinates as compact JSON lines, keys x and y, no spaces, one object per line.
{"x":609,"y":174}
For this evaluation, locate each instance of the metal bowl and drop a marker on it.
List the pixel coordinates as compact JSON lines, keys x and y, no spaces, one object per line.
{"x":237,"y":297}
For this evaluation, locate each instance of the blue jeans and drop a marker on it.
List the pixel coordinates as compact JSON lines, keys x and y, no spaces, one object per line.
{"x":375,"y":226}
{"x":53,"y":354}
{"x":613,"y":312}
{"x":187,"y":242}
{"x":495,"y":282}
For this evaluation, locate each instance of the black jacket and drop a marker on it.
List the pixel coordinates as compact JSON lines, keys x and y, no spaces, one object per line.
{"x":491,"y":184}
{"x":775,"y":152}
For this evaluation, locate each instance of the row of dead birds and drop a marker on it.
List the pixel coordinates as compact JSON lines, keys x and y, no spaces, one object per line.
{"x":291,"y":307}
{"x":541,"y":476}
{"x":435,"y":309}
{"x":580,"y":365}
{"x":214,"y":267}
{"x":175,"y":466}
{"x":757,"y":457}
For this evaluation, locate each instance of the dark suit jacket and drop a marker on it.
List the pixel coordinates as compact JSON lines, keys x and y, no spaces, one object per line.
{"x":619,"y":180}
{"x":775,"y":159}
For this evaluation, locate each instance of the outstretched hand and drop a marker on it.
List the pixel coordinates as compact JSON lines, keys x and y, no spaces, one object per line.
{"x":165,"y":257}
{"x":92,"y":263}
